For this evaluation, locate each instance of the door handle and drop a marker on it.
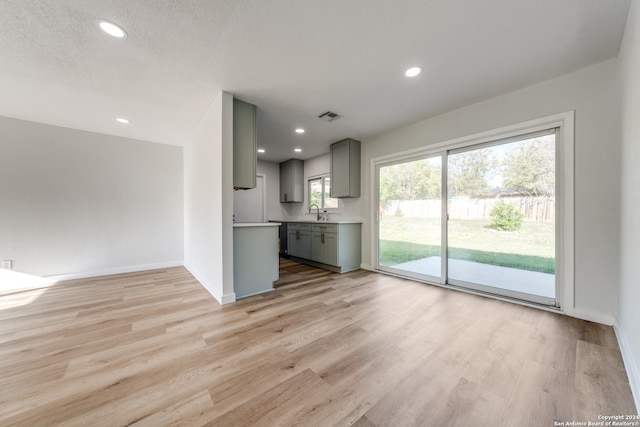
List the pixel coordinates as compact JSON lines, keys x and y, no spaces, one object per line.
{"x":321,"y":237}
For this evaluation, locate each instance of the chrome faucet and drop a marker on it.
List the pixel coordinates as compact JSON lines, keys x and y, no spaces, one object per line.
{"x":318,"y":210}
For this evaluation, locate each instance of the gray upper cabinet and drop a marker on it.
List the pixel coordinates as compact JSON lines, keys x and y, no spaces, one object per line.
{"x":345,"y":168}
{"x":244,"y":145}
{"x":292,"y":181}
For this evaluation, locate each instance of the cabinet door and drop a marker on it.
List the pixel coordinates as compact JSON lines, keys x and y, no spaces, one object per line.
{"x":330,"y":249}
{"x":285,"y":180}
{"x":345,"y":168}
{"x":292,"y":181}
{"x":304,"y":248}
{"x":293,"y":243}
{"x":340,"y":169}
{"x":244,"y":145}
{"x":317,"y":246}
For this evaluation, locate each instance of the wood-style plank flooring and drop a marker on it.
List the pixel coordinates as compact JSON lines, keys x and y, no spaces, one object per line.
{"x":323,"y":349}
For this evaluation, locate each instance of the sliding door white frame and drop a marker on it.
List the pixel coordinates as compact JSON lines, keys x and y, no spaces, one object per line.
{"x":564,"y":192}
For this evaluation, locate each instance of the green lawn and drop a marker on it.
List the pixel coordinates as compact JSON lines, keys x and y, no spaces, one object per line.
{"x":530,"y":248}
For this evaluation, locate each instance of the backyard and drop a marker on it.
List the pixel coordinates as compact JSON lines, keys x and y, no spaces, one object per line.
{"x":530,"y":248}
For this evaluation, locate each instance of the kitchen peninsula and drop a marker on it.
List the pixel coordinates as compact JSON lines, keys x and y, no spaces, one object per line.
{"x":255,"y":257}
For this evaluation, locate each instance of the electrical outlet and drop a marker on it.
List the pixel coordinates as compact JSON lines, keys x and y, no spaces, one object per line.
{"x":7,"y":264}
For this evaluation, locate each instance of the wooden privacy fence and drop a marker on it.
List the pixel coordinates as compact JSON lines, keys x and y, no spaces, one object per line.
{"x":541,"y":209}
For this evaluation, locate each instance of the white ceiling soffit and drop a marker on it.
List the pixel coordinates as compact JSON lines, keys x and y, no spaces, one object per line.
{"x":293,"y":59}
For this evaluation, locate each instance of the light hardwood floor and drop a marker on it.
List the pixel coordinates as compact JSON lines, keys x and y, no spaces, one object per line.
{"x":324,"y":349}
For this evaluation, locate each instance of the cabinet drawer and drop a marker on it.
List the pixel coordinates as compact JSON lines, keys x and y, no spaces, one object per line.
{"x":301,"y":226}
{"x":325,"y":228}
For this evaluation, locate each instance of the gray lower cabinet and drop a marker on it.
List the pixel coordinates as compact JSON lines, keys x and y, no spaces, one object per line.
{"x":335,"y":247}
{"x":324,"y":244}
{"x":255,"y":259}
{"x":299,"y":240}
{"x":292,"y":241}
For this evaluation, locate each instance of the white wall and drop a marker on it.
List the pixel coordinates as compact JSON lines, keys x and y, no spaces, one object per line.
{"x":348,"y":209}
{"x":628,"y":321}
{"x":271,"y":171}
{"x":78,"y":204}
{"x":593,"y":93}
{"x":208,"y":201}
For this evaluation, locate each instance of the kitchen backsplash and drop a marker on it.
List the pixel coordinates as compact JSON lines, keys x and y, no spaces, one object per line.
{"x":348,"y":209}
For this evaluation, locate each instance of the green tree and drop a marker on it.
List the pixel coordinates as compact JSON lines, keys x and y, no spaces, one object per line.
{"x":468,"y":172}
{"x":428,"y":179}
{"x":529,"y":168}
{"x":415,"y":180}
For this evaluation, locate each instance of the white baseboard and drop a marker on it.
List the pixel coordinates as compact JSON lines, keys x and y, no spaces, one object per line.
{"x":630,"y":364}
{"x":222,"y":299}
{"x":115,"y":270}
{"x":366,"y":267}
{"x":592,"y":316}
{"x":228,"y":298}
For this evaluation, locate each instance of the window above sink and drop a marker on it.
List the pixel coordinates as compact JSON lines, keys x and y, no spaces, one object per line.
{"x":319,"y":190}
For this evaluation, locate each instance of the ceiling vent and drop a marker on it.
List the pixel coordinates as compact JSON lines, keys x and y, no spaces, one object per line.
{"x":329,"y":116}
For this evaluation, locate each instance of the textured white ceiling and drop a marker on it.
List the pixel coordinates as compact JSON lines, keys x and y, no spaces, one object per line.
{"x":293,"y":59}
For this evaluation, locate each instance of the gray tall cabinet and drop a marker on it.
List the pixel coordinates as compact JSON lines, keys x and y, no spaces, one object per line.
{"x":245,"y":142}
{"x":345,"y":168}
{"x":292,"y":181}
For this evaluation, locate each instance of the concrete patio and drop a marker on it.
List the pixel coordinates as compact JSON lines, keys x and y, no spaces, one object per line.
{"x":513,"y":279}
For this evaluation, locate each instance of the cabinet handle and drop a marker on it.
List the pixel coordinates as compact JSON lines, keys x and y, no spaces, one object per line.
{"x":285,"y":197}
{"x":321,"y":237}
{"x":297,"y":235}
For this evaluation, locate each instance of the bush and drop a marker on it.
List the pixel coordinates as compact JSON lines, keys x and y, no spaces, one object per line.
{"x":505,"y":216}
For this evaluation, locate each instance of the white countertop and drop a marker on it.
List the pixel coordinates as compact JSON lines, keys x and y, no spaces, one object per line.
{"x":256,"y":224}
{"x":346,"y":221}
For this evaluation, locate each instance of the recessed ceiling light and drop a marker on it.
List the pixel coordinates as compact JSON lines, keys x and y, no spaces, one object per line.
{"x":260,"y":150}
{"x":412,"y":72}
{"x":297,"y":150}
{"x":121,"y":120}
{"x":299,"y":130}
{"x":112,"y":29}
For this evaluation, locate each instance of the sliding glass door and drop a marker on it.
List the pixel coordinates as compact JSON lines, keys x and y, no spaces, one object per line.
{"x":501,"y":207}
{"x":481,"y":217}
{"x":410,"y":219}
